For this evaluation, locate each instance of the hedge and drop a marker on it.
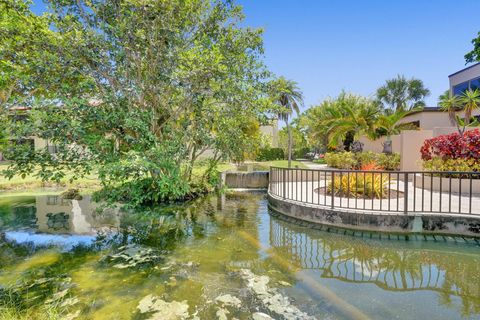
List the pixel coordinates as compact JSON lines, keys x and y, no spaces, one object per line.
{"x":270,"y":154}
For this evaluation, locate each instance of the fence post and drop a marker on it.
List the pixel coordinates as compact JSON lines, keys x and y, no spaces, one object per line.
{"x":333,"y":188}
{"x":284,"y":193}
{"x":405,"y":193}
{"x":269,"y":179}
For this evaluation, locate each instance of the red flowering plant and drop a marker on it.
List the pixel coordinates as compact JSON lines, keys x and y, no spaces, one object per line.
{"x":451,"y":148}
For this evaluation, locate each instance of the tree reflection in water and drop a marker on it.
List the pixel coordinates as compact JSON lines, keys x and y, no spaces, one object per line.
{"x":391,"y":265}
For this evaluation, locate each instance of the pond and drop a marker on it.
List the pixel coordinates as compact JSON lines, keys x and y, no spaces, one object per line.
{"x":219,"y":257}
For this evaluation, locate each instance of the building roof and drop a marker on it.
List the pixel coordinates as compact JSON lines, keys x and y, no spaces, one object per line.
{"x":473,"y":65}
{"x":427,"y":109}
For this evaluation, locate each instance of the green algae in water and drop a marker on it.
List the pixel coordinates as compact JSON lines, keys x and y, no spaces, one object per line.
{"x":218,"y":258}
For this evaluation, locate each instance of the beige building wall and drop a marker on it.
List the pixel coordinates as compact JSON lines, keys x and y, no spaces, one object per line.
{"x":271,"y":131}
{"x":408,"y":145}
{"x":377,"y":145}
{"x":429,"y":120}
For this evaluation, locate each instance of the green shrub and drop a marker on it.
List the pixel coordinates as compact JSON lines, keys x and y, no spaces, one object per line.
{"x":300,"y":153}
{"x":350,"y":160}
{"x":366,"y":157}
{"x":388,"y":161}
{"x":341,"y":160}
{"x":438,"y":164}
{"x":270,"y":154}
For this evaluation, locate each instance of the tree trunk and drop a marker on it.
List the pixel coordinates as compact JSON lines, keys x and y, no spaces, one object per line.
{"x":289,"y":145}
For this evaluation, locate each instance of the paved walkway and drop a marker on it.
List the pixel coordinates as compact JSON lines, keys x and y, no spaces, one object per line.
{"x":418,"y":200}
{"x":313,"y":165}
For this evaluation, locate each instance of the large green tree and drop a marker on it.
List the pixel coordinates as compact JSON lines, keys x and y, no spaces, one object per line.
{"x":348,"y":114}
{"x":30,"y":63}
{"x":162,"y":82}
{"x":474,"y":55}
{"x":288,"y":97}
{"x":401,"y":93}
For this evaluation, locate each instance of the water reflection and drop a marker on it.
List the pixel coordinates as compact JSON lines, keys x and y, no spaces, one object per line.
{"x":47,"y":237}
{"x":450,"y":270}
{"x":54,"y":221}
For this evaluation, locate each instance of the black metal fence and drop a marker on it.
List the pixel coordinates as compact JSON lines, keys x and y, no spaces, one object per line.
{"x":391,"y":191}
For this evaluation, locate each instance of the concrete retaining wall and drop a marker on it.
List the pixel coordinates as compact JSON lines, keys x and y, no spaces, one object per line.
{"x":435,"y":184}
{"x":459,"y":225}
{"x":244,"y":180}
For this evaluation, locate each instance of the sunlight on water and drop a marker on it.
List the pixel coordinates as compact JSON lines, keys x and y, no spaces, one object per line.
{"x":218,"y":257}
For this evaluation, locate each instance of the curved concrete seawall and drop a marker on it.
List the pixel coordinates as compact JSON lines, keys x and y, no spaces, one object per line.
{"x":418,"y":223}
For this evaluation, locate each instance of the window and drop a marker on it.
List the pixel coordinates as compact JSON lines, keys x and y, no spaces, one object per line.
{"x":459,"y":89}
{"x":475,"y":84}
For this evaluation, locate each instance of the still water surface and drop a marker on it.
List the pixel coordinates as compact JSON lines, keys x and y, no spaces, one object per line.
{"x":102,"y":265}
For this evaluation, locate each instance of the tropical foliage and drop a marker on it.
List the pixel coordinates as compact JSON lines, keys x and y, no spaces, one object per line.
{"x":401,"y":93}
{"x":349,"y":117}
{"x":389,"y":124}
{"x":270,"y":154}
{"x":452,"y":165}
{"x":453,"y":146}
{"x":452,"y":152}
{"x":362,"y":185}
{"x":296,"y":140}
{"x":468,"y":102}
{"x":138,"y":91}
{"x":358,"y":160}
{"x":347,"y":114}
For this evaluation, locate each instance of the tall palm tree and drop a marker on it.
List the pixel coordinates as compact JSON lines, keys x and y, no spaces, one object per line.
{"x":402,"y":93}
{"x":288,"y":96}
{"x":451,"y":104}
{"x":390,"y":125}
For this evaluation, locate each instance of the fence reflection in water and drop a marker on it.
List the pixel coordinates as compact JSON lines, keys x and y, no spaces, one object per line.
{"x":389,"y":266}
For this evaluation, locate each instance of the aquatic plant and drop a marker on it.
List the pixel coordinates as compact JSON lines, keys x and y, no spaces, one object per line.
{"x":39,"y":298}
{"x":134,"y":256}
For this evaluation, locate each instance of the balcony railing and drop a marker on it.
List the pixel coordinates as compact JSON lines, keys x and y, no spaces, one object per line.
{"x":385,"y":191}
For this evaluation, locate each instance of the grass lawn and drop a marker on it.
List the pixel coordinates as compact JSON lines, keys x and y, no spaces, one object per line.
{"x":319,"y":161}
{"x":265,"y":165}
{"x":91,"y":182}
{"x":32,"y":182}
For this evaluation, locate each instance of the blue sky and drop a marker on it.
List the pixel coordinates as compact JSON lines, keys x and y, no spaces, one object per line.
{"x":327,"y":46}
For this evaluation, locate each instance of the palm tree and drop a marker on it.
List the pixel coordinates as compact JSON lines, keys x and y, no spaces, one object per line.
{"x":470,"y":101}
{"x":390,"y":125}
{"x":288,"y":96}
{"x":403,"y":94}
{"x":451,"y":104}
{"x":350,"y":114}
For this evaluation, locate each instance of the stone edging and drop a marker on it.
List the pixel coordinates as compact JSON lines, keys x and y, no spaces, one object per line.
{"x":418,"y":223}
